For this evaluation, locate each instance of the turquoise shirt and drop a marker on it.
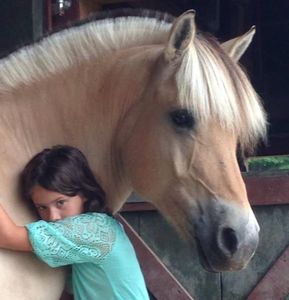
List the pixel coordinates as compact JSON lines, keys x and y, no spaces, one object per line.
{"x":104,"y":263}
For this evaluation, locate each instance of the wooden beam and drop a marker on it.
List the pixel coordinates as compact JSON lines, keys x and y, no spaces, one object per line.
{"x":270,"y":190}
{"x":160,"y":281}
{"x":275,"y":283}
{"x":137,"y":206}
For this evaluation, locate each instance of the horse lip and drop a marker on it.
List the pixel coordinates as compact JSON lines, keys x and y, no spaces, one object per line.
{"x":207,"y":265}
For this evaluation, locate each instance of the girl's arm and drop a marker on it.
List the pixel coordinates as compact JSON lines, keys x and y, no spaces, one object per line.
{"x":12,"y":237}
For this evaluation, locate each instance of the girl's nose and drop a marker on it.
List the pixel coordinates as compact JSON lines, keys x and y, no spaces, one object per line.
{"x":54,"y":214}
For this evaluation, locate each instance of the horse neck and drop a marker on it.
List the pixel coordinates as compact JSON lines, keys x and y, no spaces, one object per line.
{"x":125,"y":79}
{"x":83,"y":107}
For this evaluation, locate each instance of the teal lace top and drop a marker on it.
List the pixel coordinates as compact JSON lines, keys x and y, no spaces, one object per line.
{"x":104,"y":264}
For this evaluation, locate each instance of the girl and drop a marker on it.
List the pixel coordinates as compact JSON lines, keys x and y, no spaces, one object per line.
{"x":74,"y":230}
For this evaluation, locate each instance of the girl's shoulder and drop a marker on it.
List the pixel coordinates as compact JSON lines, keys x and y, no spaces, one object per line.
{"x":99,"y":219}
{"x":95,"y":216}
{"x":88,"y":237}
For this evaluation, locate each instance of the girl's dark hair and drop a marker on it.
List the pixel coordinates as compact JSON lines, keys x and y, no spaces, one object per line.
{"x":65,"y":170}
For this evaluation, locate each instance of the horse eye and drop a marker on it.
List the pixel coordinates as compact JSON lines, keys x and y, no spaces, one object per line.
{"x":182,"y":118}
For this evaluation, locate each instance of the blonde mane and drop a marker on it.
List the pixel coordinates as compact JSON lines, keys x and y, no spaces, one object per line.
{"x":219,"y":87}
{"x":221,"y":90}
{"x":77,"y":44}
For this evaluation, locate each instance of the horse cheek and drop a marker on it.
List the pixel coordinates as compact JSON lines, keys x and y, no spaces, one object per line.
{"x":142,"y":161}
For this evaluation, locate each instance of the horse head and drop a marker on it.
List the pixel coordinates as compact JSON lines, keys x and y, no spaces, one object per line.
{"x":178,"y":143}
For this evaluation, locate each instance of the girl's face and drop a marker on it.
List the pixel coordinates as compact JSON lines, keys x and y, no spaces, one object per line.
{"x":53,"y":206}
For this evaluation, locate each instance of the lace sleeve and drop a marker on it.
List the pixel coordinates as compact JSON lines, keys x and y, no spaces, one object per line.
{"x":84,"y":238}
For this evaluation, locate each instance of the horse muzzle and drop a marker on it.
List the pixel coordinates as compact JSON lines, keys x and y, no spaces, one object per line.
{"x":227,"y":236}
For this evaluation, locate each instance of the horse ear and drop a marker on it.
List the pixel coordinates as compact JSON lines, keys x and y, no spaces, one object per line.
{"x":181,"y":35}
{"x":236,"y":47}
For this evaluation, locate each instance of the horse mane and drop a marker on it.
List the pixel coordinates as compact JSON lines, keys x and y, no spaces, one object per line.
{"x":223,"y":92}
{"x":98,"y":35}
{"x":206,"y":73}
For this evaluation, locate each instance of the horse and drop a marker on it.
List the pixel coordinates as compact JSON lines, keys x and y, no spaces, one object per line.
{"x":158,"y":108}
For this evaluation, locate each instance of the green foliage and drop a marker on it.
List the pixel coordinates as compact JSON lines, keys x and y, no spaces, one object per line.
{"x":269,"y":163}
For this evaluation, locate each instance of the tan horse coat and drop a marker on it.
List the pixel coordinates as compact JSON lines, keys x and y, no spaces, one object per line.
{"x":113,"y":102}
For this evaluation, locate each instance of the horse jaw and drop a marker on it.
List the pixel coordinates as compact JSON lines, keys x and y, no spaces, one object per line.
{"x":236,"y":47}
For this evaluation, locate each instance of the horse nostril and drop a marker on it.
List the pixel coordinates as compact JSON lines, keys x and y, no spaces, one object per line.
{"x":229,"y":240}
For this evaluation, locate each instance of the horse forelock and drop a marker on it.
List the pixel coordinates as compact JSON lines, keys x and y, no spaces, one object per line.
{"x":214,"y":87}
{"x":83,"y":42}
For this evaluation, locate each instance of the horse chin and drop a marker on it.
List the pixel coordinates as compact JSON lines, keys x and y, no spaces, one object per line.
{"x":203,"y":259}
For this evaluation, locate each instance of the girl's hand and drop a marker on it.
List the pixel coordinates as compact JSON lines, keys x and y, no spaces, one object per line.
{"x":12,"y":237}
